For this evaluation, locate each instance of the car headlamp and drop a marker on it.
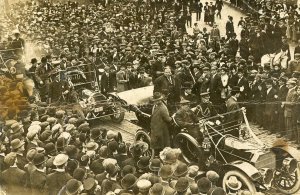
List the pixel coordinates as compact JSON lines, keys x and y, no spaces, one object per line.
{"x":290,"y":165}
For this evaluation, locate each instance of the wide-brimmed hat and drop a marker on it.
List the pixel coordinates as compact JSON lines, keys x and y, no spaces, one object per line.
{"x":16,"y":143}
{"x":60,"y":159}
{"x":143,"y":185}
{"x":157,"y":96}
{"x":233,"y":183}
{"x":155,"y":164}
{"x":16,"y":127}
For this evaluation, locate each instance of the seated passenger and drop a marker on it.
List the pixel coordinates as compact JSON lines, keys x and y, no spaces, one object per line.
{"x":205,"y":108}
{"x":186,"y":118}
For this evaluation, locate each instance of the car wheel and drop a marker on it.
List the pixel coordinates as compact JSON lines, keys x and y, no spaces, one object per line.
{"x":143,"y":136}
{"x":189,"y":147}
{"x":118,"y":115}
{"x":288,"y":183}
{"x":247,"y":184}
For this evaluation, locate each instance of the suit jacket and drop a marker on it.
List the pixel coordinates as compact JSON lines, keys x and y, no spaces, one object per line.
{"x":243,"y":82}
{"x":229,"y":27}
{"x":108,"y":83}
{"x":233,"y":105}
{"x":215,"y":87}
{"x":290,"y":100}
{"x":270,"y":98}
{"x":122,"y":81}
{"x":14,"y":180}
{"x":38,"y":182}
{"x":41,"y":72}
{"x":55,"y":181}
{"x":170,"y":90}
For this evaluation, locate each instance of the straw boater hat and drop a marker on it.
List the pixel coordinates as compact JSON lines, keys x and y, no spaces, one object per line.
{"x":233,"y":183}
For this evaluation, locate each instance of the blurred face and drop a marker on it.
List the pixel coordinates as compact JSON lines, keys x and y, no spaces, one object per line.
{"x":167,"y":72}
{"x":298,"y":90}
{"x":289,"y":86}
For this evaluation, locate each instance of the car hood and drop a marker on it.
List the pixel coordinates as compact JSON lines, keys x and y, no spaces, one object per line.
{"x":137,"y":96}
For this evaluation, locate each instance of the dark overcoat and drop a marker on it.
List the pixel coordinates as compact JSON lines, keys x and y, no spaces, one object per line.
{"x":160,"y":137}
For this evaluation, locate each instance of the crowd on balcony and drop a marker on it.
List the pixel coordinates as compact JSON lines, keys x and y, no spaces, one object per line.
{"x":124,"y":45}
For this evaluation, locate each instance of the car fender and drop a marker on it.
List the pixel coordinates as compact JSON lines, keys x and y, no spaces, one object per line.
{"x":115,"y":96}
{"x":290,"y":150}
{"x":245,"y":167}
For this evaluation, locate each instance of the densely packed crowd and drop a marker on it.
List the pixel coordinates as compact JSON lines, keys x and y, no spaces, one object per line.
{"x":125,"y":45}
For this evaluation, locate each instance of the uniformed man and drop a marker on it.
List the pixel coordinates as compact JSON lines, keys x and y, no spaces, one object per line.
{"x":186,"y":118}
{"x":205,"y":108}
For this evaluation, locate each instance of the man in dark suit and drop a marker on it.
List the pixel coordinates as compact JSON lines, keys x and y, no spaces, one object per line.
{"x":38,"y":176}
{"x":215,"y":87}
{"x":229,"y":27}
{"x":243,"y":84}
{"x":13,"y":179}
{"x":235,"y":118}
{"x":289,"y":110}
{"x":269,"y":113}
{"x":56,"y":180}
{"x":282,"y":92}
{"x":169,"y":86}
{"x":160,"y":136}
{"x":108,"y":81}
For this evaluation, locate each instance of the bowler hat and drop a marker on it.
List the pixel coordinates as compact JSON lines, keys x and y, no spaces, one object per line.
{"x":50,"y":149}
{"x":156,"y":189}
{"x":181,"y":170}
{"x":73,"y":186}
{"x":165,"y":171}
{"x":182,"y":184}
{"x":95,"y":133}
{"x":128,"y":181}
{"x":127,"y":169}
{"x":204,"y":185}
{"x":39,"y":159}
{"x":155,"y":164}
{"x":143,"y":163}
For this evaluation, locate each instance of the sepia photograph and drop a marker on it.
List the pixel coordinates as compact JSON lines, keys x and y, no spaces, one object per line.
{"x":149,"y":97}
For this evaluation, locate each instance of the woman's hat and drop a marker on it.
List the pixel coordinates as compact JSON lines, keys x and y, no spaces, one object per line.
{"x":233,"y":183}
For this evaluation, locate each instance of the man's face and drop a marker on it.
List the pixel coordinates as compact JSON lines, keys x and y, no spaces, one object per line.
{"x":298,"y":90}
{"x":167,"y":72}
{"x":290,"y":86}
{"x":269,"y":85}
{"x":240,"y":75}
{"x":205,"y":99}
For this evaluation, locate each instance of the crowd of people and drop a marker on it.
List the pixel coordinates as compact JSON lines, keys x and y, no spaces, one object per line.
{"x":123,"y":45}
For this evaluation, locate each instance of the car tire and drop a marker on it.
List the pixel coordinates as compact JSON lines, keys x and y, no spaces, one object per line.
{"x":247,"y":184}
{"x":295,"y":187}
{"x":142,"y":135}
{"x":118,"y":118}
{"x":189,"y":147}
